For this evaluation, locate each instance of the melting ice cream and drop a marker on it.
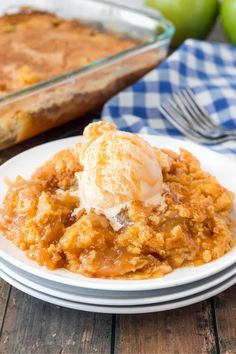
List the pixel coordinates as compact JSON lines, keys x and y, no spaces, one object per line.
{"x":118,"y":169}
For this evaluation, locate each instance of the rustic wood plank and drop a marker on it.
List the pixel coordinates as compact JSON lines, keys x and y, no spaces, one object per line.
{"x":225,"y":312}
{"x":34,"y":326}
{"x":4,"y":295}
{"x":185,"y":331}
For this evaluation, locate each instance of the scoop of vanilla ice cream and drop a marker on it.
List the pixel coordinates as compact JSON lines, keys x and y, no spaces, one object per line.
{"x":118,"y":169}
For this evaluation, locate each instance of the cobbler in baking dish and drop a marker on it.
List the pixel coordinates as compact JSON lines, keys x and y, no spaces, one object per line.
{"x":67,"y":44}
{"x":115,"y":207}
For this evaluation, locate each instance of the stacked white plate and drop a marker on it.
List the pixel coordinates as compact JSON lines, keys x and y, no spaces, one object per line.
{"x":182,"y":287}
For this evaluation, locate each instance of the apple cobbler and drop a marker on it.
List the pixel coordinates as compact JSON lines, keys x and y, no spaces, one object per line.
{"x":67,"y":45}
{"x":78,"y":64}
{"x":114,"y":207}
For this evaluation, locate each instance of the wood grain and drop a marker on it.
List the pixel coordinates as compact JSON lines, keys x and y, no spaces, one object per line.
{"x":225,"y":312}
{"x":186,"y":331}
{"x":4,"y":294}
{"x":34,"y":326}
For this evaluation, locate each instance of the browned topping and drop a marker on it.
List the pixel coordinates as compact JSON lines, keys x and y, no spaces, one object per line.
{"x":37,"y":46}
{"x":194,"y":228}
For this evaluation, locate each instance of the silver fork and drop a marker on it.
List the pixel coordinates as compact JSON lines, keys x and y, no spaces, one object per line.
{"x":184,"y":112}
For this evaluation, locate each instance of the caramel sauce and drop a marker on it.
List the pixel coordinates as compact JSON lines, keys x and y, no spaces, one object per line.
{"x":193,"y":228}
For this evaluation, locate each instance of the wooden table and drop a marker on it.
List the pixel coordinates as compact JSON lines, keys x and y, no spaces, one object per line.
{"x":29,"y":325}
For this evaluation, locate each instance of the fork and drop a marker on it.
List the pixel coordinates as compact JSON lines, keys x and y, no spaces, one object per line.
{"x":184,"y":112}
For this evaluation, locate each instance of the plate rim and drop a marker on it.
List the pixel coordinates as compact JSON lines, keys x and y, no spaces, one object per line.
{"x":121,"y":301}
{"x":121,"y":310}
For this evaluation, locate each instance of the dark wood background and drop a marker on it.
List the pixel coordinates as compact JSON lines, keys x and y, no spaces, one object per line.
{"x":28,"y":325}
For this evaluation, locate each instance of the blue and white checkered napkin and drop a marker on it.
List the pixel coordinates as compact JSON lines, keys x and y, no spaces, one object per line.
{"x":208,"y":69}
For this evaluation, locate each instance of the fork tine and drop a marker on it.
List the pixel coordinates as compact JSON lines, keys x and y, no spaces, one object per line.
{"x":217,"y":136}
{"x":188,"y":113}
{"x":178,"y":115}
{"x":171,"y":115}
{"x":199,"y":110}
{"x":201,"y":124}
{"x":203,"y":120}
{"x":190,"y":94}
{"x":181,"y":107}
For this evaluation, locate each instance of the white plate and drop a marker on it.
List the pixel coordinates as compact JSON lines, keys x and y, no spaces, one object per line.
{"x":119,"y":309}
{"x":26,"y":162}
{"x":95,"y":298}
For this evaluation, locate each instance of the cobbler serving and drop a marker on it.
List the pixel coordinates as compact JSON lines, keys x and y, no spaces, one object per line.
{"x":115,"y":207}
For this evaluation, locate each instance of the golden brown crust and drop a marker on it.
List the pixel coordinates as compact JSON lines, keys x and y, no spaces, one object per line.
{"x":193,"y":228}
{"x":26,"y":59}
{"x":31,"y":62}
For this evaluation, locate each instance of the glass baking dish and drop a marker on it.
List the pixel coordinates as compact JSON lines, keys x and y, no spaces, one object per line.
{"x":40,"y":107}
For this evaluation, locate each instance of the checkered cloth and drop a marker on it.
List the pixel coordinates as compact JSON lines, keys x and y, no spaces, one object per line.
{"x":208,"y":69}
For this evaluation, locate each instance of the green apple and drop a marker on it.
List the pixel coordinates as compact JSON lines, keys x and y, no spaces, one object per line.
{"x":228,"y":19}
{"x":192,"y":18}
